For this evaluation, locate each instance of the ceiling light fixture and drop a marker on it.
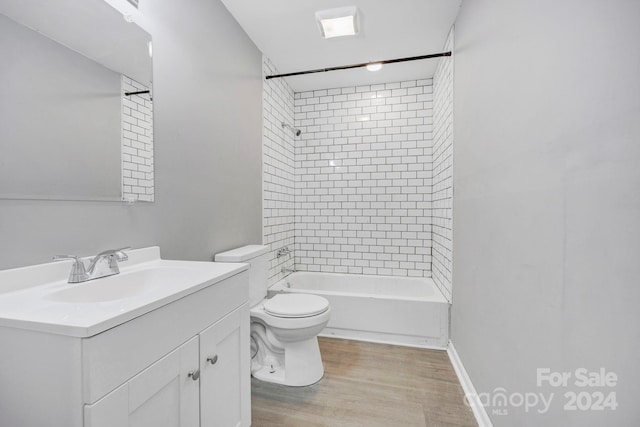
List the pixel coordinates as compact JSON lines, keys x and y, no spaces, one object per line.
{"x":374,"y":66}
{"x":339,"y":22}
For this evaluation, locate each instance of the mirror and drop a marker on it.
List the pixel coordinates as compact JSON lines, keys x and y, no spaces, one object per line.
{"x":76,"y":109}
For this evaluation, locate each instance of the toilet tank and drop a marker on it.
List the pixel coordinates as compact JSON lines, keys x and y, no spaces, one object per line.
{"x":257,"y":256}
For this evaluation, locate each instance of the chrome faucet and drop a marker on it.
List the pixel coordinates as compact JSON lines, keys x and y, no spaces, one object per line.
{"x":283,"y":251}
{"x":102,"y":265}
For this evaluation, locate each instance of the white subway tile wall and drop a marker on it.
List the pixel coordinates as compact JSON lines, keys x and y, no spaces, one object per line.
{"x":278,"y":171}
{"x":443,"y":171}
{"x":137,"y":143}
{"x":363,"y":179}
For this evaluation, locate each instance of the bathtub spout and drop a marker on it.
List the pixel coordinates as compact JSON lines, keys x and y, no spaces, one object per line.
{"x":288,"y":270}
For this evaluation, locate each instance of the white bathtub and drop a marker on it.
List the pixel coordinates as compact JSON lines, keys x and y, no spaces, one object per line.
{"x":394,"y":310}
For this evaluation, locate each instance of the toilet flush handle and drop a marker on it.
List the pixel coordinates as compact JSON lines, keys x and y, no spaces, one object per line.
{"x":212,"y":359}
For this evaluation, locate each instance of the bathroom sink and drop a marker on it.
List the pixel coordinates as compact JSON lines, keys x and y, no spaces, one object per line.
{"x":39,"y":297}
{"x":124,"y":285}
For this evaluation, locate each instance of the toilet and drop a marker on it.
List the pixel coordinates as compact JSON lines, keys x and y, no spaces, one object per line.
{"x":284,"y":328}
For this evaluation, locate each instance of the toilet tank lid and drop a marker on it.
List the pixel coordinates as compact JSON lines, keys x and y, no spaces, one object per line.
{"x":242,"y":254}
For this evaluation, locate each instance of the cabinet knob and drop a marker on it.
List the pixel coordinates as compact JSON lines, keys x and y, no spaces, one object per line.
{"x":194,"y":375}
{"x":212,"y":359}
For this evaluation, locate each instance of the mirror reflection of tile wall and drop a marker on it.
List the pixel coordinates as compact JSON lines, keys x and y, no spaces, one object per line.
{"x":137,"y":142}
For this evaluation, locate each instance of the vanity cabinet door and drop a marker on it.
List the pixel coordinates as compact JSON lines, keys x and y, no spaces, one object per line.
{"x":225,"y":387}
{"x":163,"y":395}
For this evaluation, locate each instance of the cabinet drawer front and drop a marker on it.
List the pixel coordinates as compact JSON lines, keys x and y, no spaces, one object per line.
{"x":114,"y":356}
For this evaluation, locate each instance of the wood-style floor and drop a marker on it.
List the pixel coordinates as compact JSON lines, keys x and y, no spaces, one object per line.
{"x":368,"y":384}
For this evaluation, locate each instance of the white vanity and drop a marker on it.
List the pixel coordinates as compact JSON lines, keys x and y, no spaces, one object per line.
{"x":163,"y":343}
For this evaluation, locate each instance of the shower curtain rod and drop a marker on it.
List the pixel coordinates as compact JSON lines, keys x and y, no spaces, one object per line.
{"x":140,"y":92}
{"x":364,"y":64}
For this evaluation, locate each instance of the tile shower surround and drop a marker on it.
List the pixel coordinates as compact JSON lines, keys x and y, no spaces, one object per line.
{"x":442,"y":196}
{"x":363,"y":179}
{"x":278,"y":171}
{"x":366,"y":188}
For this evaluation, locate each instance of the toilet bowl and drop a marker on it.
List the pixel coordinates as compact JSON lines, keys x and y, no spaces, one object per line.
{"x":284,"y":328}
{"x":288,"y":338}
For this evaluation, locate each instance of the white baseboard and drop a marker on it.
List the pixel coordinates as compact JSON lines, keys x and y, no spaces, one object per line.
{"x":469,"y":390}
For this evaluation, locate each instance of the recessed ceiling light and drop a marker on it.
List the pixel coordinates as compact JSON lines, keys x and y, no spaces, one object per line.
{"x":374,"y":66}
{"x":339,"y":22}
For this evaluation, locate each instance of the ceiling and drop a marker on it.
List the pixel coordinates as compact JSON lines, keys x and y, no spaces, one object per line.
{"x":287,"y":33}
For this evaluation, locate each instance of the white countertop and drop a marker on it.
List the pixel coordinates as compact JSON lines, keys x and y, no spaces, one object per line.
{"x":39,"y":298}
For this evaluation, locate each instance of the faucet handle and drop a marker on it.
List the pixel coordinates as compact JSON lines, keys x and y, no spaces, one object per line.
{"x":120,"y":254}
{"x":78,"y":271}
{"x":111,"y":256}
{"x":61,"y":257}
{"x":77,"y":262}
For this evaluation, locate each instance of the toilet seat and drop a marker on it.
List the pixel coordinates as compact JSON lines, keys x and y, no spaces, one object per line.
{"x":296,"y":305}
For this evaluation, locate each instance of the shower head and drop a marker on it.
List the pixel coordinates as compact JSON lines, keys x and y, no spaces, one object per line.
{"x":296,"y":131}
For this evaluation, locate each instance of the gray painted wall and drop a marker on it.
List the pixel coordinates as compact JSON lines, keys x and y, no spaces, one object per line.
{"x":207,"y":105}
{"x":547,"y":200}
{"x":58,"y":108}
